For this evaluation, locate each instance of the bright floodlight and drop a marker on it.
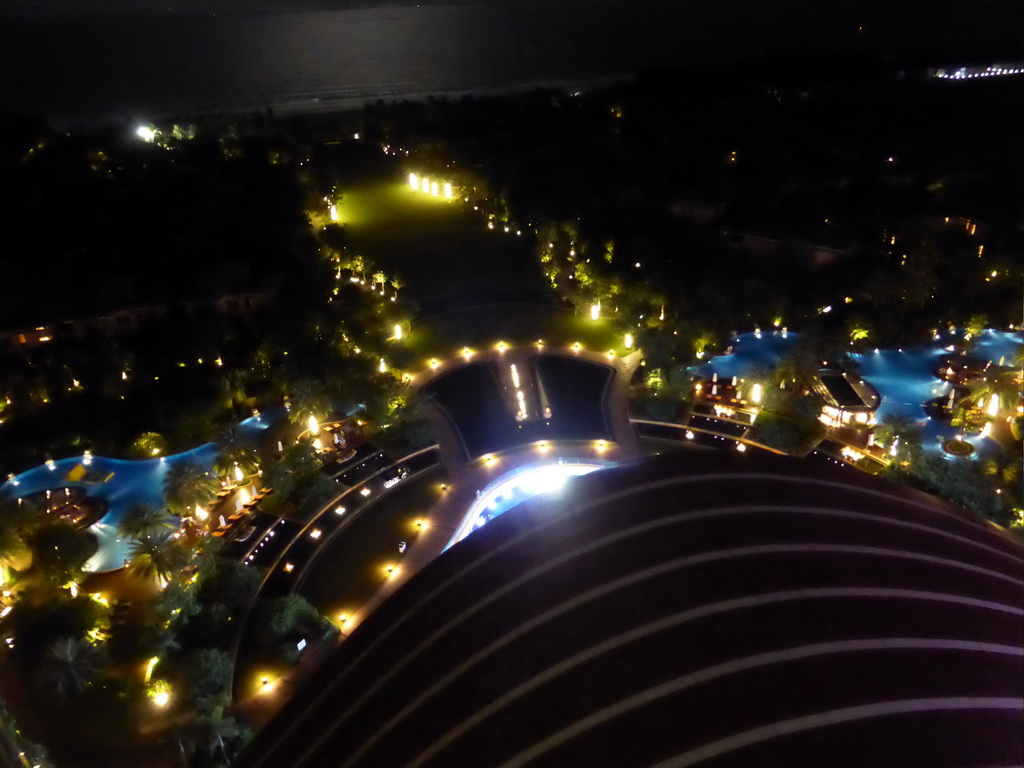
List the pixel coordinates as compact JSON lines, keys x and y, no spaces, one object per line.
{"x":398,"y":331}
{"x":414,"y":181}
{"x":515,"y":487}
{"x":433,"y":188}
{"x":334,"y":212}
{"x":629,"y":341}
{"x":595,"y":310}
{"x":993,"y":405}
{"x":447,"y":190}
{"x":146,"y":132}
{"x":425,"y":185}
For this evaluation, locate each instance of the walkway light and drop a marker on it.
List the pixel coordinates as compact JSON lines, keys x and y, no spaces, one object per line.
{"x":425,"y":185}
{"x":447,"y":190}
{"x":414,"y":181}
{"x":433,"y":188}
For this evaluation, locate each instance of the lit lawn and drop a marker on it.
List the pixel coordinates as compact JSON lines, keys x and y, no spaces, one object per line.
{"x":441,"y":248}
{"x":445,"y":334}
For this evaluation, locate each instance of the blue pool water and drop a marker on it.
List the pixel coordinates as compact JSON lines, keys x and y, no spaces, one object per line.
{"x":904,"y":378}
{"x":128,"y":482}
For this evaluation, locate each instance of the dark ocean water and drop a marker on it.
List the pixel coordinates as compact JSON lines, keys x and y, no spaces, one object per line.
{"x":102,"y":66}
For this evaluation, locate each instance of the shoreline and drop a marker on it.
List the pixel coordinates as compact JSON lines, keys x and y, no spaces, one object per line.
{"x":321,"y":107}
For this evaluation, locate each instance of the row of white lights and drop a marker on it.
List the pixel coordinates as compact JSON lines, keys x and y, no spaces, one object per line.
{"x":962,"y":74}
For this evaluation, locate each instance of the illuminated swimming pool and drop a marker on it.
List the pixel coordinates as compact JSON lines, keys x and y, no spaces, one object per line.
{"x":513,"y":488}
{"x":905,"y":378}
{"x":120,"y":483}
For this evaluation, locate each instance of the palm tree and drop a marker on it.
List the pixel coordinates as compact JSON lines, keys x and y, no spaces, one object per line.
{"x":157,"y":558}
{"x":141,"y":521}
{"x":208,"y":732}
{"x":899,"y":425}
{"x":799,"y":366}
{"x":187,"y":484}
{"x":234,"y":451}
{"x":69,"y":666}
{"x":1004,"y":384}
{"x":309,"y":399}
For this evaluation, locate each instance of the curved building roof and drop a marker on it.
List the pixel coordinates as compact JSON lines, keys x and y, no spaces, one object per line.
{"x":712,"y":610}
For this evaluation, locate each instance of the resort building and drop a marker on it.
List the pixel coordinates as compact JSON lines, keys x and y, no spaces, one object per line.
{"x":697,"y":608}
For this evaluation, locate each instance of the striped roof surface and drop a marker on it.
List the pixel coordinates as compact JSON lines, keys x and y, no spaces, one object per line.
{"x":699,"y":609}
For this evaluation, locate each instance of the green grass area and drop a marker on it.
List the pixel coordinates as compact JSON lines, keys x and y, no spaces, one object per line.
{"x":482,"y":327}
{"x":441,"y":248}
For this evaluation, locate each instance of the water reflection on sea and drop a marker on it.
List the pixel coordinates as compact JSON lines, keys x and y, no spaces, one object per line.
{"x":149,"y":66}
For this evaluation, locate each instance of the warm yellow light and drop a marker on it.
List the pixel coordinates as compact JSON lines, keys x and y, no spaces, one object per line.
{"x":447,"y":190}
{"x":382,"y":367}
{"x":162,"y":698}
{"x":629,"y":341}
{"x":334,"y":212}
{"x":576,"y":346}
{"x":149,"y":668}
{"x":755,"y":393}
{"x":502,"y":346}
{"x":201,"y":513}
{"x":414,"y":181}
{"x":314,"y":425}
{"x":238,"y":474}
{"x":433,"y":189}
{"x":595,"y":310}
{"x":425,"y":185}
{"x":434,"y":363}
{"x":993,"y":405}
{"x":398,"y":332}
